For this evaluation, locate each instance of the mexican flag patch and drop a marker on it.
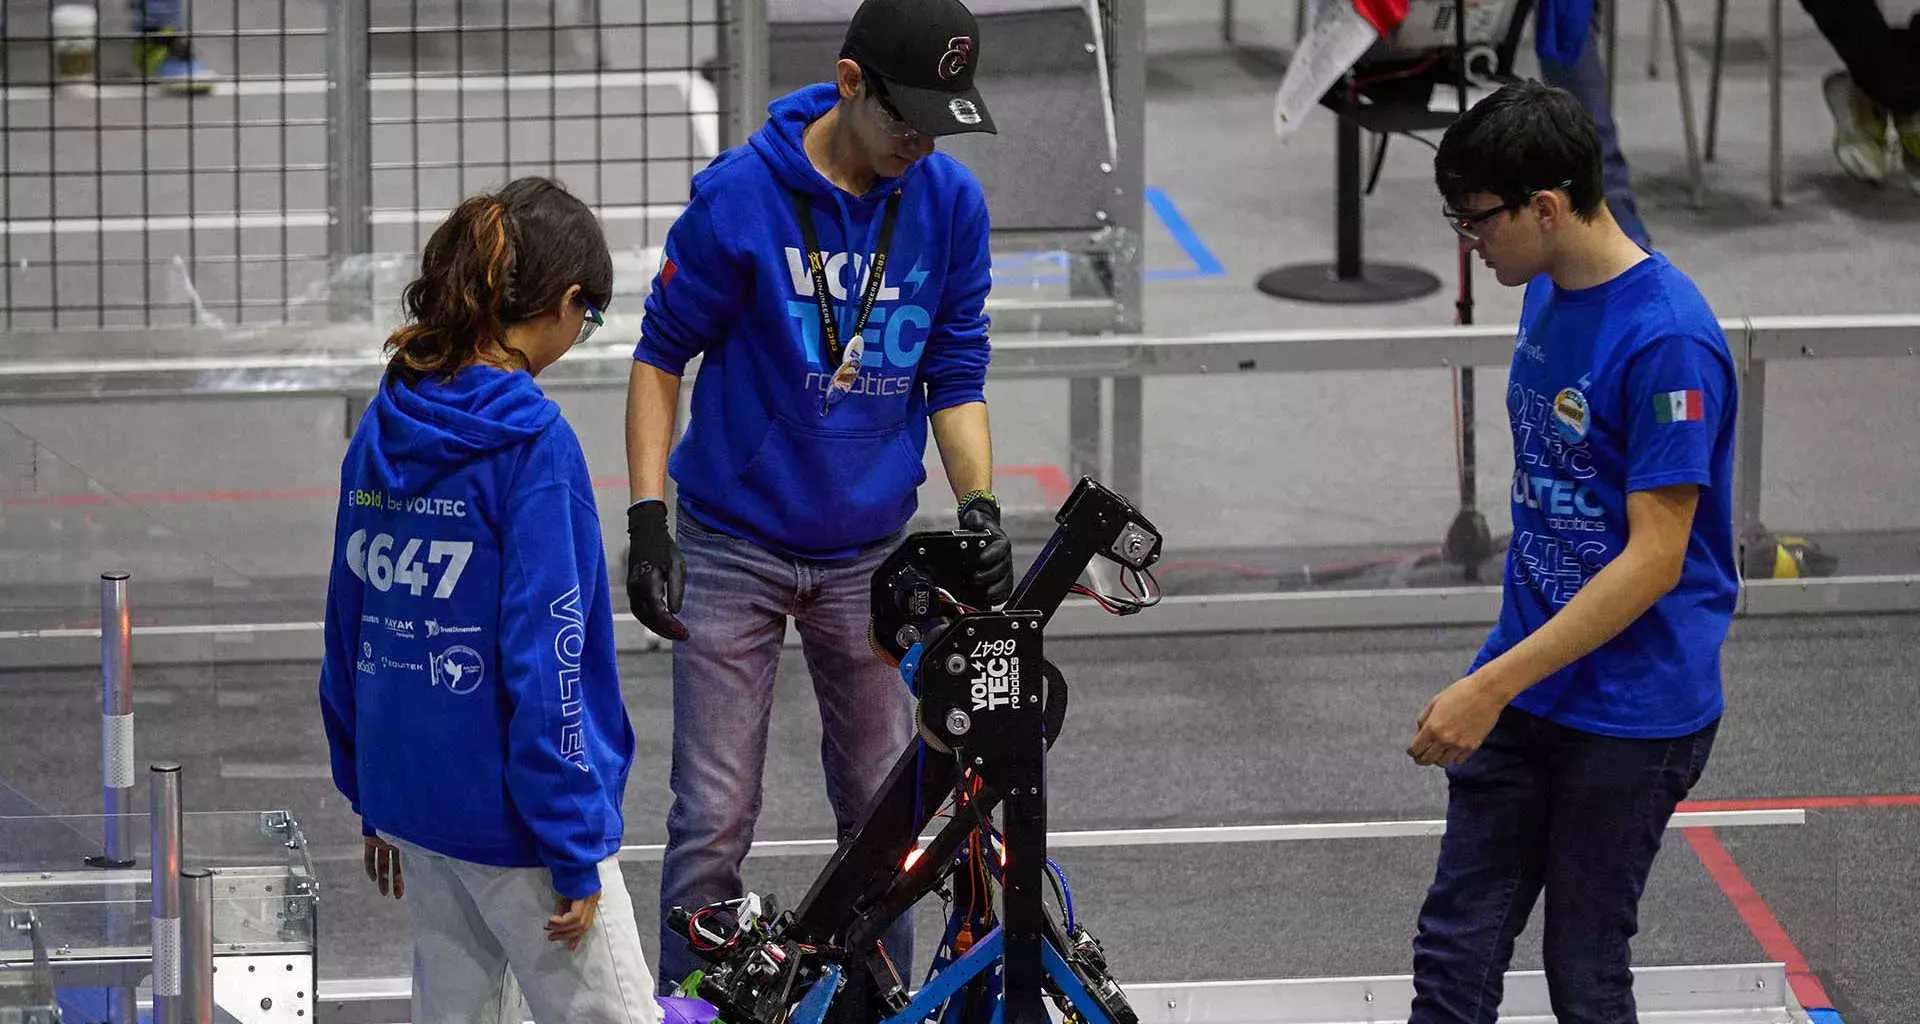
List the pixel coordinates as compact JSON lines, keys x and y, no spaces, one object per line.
{"x":1678,"y":407}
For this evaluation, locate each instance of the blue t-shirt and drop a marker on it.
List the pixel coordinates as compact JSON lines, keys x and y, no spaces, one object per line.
{"x":1625,"y":386}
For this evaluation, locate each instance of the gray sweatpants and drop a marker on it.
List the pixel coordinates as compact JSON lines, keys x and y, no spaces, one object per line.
{"x":474,"y":922}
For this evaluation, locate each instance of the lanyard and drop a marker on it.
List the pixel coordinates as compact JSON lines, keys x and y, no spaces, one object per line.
{"x":817,"y":264}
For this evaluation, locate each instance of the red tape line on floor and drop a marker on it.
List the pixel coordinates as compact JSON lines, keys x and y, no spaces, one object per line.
{"x":1759,"y":919}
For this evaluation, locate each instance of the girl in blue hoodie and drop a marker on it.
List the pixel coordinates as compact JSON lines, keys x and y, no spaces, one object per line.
{"x":470,"y":691}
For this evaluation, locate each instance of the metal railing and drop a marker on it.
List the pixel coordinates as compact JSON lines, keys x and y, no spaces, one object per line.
{"x":335,"y":361}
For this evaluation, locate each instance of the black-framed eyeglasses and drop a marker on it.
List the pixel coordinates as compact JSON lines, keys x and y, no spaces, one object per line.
{"x":1467,"y":225}
{"x":592,"y":322}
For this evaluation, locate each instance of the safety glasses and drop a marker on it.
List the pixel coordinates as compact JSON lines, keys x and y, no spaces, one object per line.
{"x":890,"y":120}
{"x":1467,"y":225}
{"x":592,"y":322}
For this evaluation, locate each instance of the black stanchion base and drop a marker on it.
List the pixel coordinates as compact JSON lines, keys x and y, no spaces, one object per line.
{"x":1321,"y":282}
{"x":101,"y":861}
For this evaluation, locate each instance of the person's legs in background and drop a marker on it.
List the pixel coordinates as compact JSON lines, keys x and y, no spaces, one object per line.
{"x":1881,"y":84}
{"x":1586,"y":79}
{"x":164,"y":54}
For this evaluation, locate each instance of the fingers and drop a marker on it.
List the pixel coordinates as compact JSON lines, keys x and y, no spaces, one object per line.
{"x":660,"y":609}
{"x":383,"y":866}
{"x":399,"y":877}
{"x":676,"y":582}
{"x":572,"y":922}
{"x":371,"y":847}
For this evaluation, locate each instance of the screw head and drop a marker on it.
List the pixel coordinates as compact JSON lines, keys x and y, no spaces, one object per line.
{"x":958,"y":723}
{"x":906,"y":636}
{"x":956,"y":663}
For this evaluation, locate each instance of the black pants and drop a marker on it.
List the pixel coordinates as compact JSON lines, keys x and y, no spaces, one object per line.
{"x":1884,"y":61}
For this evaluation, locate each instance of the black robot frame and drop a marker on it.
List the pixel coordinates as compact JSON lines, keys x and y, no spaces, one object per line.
{"x":988,"y":705}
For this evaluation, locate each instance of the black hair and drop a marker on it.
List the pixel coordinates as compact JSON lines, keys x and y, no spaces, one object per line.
{"x":1525,"y":138}
{"x":497,"y":259}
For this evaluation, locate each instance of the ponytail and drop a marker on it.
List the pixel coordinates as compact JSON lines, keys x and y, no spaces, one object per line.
{"x":497,"y":259}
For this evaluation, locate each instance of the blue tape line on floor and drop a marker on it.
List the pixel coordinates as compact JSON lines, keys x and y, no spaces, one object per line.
{"x":1824,"y":1016}
{"x":1205,"y":264}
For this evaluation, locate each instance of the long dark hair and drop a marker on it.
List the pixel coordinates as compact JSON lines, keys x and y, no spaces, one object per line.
{"x":498,"y":258}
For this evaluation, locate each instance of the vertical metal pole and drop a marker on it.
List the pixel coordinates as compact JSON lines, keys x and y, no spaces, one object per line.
{"x":349,"y":158}
{"x":1347,"y":213}
{"x":196,"y":945}
{"x":116,"y":768}
{"x":166,"y":827}
{"x":1129,"y":441}
{"x":1126,"y":46}
{"x":748,"y":68}
{"x":1749,"y":439}
{"x":1084,"y":454}
{"x":116,"y":710}
{"x":1776,"y":169}
{"x":1713,"y":83}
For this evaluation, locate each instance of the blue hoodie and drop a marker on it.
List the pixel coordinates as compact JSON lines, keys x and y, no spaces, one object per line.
{"x":470,"y":692}
{"x":758,"y":460}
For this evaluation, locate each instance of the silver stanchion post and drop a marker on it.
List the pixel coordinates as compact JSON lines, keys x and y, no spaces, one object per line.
{"x":196,"y":945}
{"x":166,"y":828}
{"x":116,"y":721}
{"x":116,"y":770}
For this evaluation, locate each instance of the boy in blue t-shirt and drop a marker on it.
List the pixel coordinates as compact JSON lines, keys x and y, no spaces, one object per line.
{"x":1590,"y":711}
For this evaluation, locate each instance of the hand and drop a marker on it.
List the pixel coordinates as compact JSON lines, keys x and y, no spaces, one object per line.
{"x":572,"y":920}
{"x":1455,"y":723}
{"x":656,"y":573}
{"x":383,"y":867}
{"x":993,"y":565}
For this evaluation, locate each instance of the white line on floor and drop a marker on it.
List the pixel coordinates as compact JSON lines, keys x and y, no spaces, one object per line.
{"x":248,"y":770}
{"x":1247,"y":833}
{"x":282,"y":219}
{"x":316,"y":85}
{"x":209,"y":629}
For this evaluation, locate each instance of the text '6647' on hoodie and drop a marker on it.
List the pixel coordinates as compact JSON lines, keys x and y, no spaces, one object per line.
{"x":470,"y":691}
{"x":758,"y":460}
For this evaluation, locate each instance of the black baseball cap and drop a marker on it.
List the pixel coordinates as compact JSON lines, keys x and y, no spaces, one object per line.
{"x":925,"y":52}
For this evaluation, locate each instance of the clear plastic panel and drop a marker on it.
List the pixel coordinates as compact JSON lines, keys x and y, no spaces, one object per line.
{"x":264,"y":890}
{"x":1310,"y":481}
{"x":1838,"y":476}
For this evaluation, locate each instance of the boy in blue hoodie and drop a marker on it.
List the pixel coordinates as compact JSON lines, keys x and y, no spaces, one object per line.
{"x":470,"y":691}
{"x":832,"y":276}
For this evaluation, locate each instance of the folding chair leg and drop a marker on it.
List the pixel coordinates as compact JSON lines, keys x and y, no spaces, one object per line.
{"x":1697,"y":171}
{"x":1713,"y":84}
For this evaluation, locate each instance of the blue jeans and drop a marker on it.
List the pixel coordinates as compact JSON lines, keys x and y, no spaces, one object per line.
{"x":1541,"y":805}
{"x":1586,"y":79}
{"x":738,"y":599}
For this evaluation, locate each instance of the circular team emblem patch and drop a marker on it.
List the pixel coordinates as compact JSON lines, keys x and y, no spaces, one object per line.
{"x":1571,"y":415}
{"x":964,"y":111}
{"x":460,"y":668}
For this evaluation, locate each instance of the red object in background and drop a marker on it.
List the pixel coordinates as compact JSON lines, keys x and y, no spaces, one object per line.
{"x":1384,"y":15}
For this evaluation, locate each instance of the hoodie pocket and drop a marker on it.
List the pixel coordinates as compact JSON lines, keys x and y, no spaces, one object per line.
{"x":825,"y":490}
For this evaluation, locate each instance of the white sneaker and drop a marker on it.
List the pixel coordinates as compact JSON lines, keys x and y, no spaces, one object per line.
{"x":1859,"y":130}
{"x":1909,"y":132}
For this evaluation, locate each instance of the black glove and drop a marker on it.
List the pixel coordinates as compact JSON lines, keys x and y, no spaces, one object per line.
{"x":993,"y":565}
{"x":656,"y":573}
